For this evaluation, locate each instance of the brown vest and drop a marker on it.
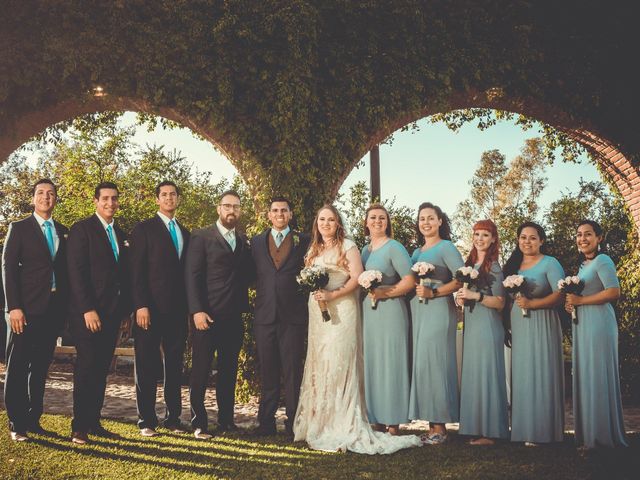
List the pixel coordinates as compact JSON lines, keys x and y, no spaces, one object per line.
{"x":279,"y":255}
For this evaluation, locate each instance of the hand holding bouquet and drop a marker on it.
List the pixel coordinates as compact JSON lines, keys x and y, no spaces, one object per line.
{"x":514,"y":284}
{"x":467,"y":276}
{"x":370,"y":280}
{"x":574,"y":286}
{"x":312,"y":279}
{"x":422,"y":271}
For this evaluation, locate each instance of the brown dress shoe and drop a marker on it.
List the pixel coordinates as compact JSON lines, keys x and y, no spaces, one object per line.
{"x":80,"y":438}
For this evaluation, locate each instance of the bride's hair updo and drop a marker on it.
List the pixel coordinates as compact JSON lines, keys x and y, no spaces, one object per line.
{"x":317,"y":243}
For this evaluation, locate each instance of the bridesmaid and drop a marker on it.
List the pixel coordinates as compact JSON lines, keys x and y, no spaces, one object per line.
{"x":483,"y":391}
{"x":537,"y":407}
{"x":434,"y":384}
{"x":597,"y":407}
{"x":386,"y":328}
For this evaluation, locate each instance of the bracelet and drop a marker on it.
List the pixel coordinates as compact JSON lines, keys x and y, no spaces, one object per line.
{"x":481,"y":297}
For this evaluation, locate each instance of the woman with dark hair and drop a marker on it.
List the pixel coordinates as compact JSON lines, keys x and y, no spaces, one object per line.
{"x":483,"y":391}
{"x":537,"y":406}
{"x":386,"y":327}
{"x":332,"y":413}
{"x":434,"y":383}
{"x":597,"y":407}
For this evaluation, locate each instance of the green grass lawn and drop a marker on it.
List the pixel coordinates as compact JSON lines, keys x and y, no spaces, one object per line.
{"x":241,"y":456}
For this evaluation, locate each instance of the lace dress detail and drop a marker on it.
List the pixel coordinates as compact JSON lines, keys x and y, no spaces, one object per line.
{"x":331,"y":413}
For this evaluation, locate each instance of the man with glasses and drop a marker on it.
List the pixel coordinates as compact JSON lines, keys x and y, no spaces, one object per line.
{"x":218,"y":270}
{"x":34,"y":268}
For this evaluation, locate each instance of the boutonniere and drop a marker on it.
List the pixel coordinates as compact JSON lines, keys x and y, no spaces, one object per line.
{"x":126,"y":243}
{"x":296,"y":239}
{"x":65,"y":236}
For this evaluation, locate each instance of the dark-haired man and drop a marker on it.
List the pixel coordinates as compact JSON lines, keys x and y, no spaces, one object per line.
{"x":218,"y":271}
{"x":158,"y":250}
{"x":281,"y":314}
{"x":34,"y":268}
{"x":99,"y":280}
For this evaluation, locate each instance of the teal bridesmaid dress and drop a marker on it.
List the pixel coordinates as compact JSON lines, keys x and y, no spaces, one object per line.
{"x":386,"y":339}
{"x":537,"y":408}
{"x":434,"y":382}
{"x":597,"y":407}
{"x":483,"y":390}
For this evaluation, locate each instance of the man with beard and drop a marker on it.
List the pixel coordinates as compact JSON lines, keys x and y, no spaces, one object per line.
{"x":218,"y":269}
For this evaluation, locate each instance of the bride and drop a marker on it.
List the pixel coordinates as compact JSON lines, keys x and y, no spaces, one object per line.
{"x":331,"y":413}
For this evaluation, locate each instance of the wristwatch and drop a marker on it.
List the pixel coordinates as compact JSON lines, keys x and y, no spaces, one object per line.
{"x":434,"y":290}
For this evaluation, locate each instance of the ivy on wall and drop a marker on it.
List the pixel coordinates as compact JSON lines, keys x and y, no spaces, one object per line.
{"x":300,"y":88}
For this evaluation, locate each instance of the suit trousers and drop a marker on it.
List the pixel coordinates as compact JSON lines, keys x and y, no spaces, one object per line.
{"x":170,"y":331}
{"x":280,"y":348}
{"x":93,"y":359}
{"x":29,"y":355}
{"x":224,"y":337}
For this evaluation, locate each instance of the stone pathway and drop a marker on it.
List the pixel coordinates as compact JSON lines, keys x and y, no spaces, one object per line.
{"x":120,"y":402}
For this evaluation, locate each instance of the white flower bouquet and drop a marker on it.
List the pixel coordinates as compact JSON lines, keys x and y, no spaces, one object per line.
{"x":370,"y":280}
{"x":574,"y":285}
{"x":514,"y":284}
{"x":422,"y":271}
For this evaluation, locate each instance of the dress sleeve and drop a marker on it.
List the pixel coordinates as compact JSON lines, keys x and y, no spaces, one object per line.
{"x":496,"y":278}
{"x":348,"y":244}
{"x":606,"y":271}
{"x":400,"y":258}
{"x":415,"y":255}
{"x":554,"y":272}
{"x":452,"y":258}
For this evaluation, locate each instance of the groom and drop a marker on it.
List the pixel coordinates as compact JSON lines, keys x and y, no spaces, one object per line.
{"x":281,"y":315}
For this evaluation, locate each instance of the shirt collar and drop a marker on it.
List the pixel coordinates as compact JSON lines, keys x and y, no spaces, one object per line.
{"x":223,"y":230}
{"x":166,"y":219}
{"x":41,"y":220}
{"x":284,"y":232}
{"x":104,"y":222}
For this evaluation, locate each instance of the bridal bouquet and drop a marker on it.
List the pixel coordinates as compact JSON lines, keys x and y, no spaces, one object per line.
{"x":571,"y":285}
{"x":422,"y":271}
{"x":369,"y":280}
{"x":514,"y":284}
{"x":312,"y":279}
{"x":467,"y":276}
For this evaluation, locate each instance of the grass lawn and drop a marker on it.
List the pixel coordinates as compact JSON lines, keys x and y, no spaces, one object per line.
{"x":241,"y":456}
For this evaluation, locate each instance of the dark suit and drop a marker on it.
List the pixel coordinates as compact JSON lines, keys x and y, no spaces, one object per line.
{"x":280,"y":324}
{"x":98,"y":282}
{"x":27,"y":269}
{"x":216,"y":280}
{"x":158,"y":284}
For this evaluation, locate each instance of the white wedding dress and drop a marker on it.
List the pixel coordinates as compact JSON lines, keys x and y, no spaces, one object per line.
{"x":331,"y":413}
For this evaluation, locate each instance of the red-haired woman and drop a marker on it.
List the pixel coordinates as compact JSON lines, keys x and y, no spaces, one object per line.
{"x":483,"y":393}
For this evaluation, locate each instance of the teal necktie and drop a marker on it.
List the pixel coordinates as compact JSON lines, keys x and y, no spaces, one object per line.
{"x":48,"y":234}
{"x":231,"y":240}
{"x":279,"y":238}
{"x":112,"y":240}
{"x":174,"y":235}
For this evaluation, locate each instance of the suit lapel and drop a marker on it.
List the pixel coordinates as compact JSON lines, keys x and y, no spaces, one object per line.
{"x":265,"y":245}
{"x":165,"y":236}
{"x":102,"y":233}
{"x":221,"y":240}
{"x":41,"y":239}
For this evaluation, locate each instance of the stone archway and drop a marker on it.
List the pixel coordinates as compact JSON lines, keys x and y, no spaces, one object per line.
{"x":616,"y":164}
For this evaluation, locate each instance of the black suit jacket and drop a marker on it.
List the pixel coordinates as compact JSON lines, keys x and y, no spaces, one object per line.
{"x":27,"y":267}
{"x":97,"y":281}
{"x":278,"y":295}
{"x":217,"y":277}
{"x":156,"y":271}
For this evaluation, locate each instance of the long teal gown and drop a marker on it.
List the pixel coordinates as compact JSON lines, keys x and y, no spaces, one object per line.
{"x":537,"y":408}
{"x":386,"y":339}
{"x":434,"y":384}
{"x":597,"y":407}
{"x":483,"y":391}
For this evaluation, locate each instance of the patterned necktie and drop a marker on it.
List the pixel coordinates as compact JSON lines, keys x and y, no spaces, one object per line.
{"x":174,"y":235}
{"x":231,"y":240}
{"x":279,"y":238}
{"x":112,"y":240}
{"x":48,"y":234}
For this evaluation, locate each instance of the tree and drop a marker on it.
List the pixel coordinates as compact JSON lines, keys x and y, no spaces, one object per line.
{"x":506,"y":194}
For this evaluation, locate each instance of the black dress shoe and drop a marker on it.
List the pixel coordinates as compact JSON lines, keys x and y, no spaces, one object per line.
{"x":100,"y":431}
{"x":175,"y":427}
{"x":37,"y":429}
{"x":227,"y":427}
{"x":264,"y":431}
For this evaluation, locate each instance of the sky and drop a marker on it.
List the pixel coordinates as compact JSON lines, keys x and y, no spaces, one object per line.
{"x":433,"y":164}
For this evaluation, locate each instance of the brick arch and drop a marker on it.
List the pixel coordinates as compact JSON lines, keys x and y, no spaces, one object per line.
{"x":616,"y":164}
